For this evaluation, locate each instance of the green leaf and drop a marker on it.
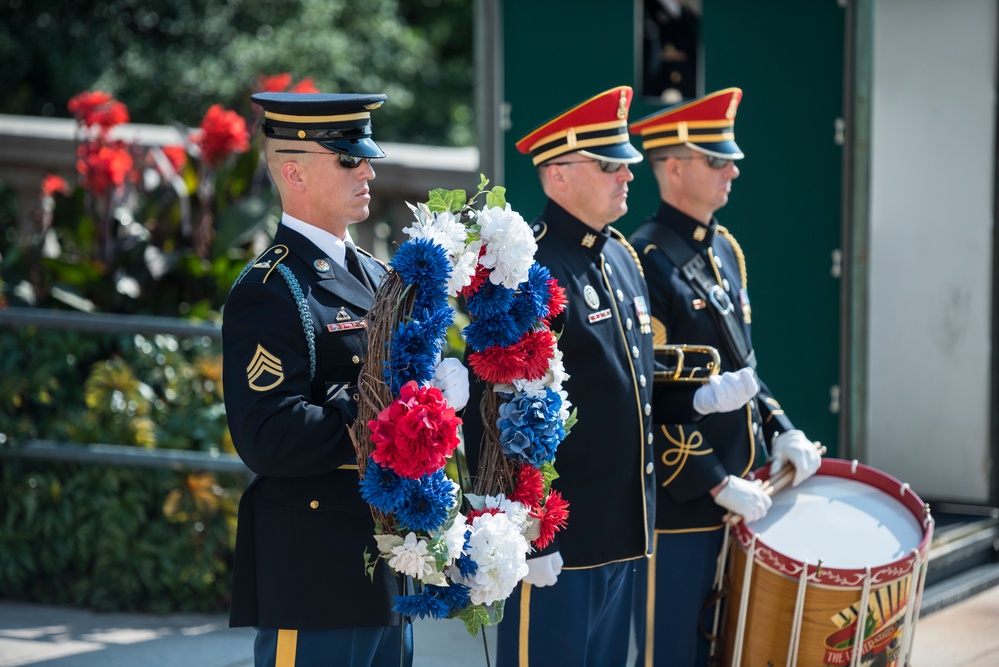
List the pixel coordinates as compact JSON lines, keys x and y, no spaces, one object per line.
{"x":496,"y":197}
{"x":474,"y":618}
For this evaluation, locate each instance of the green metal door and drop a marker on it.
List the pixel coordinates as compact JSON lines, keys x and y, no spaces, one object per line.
{"x":785,"y":209}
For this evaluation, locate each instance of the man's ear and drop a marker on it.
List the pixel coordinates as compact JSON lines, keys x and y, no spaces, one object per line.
{"x":291,"y":172}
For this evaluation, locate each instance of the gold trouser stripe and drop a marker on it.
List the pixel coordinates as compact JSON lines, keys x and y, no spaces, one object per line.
{"x":650,"y":605}
{"x":525,"y":623}
{"x":287,"y":646}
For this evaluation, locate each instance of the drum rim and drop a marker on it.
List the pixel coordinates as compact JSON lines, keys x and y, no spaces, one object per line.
{"x":837,"y":577}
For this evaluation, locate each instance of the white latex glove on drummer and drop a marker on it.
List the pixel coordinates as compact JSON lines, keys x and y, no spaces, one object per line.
{"x":794,"y":448}
{"x":745,"y":498}
{"x":726,"y":392}
{"x":451,"y":377}
{"x":543,"y":570}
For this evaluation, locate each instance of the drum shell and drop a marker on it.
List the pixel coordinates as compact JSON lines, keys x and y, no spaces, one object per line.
{"x":773,"y":593}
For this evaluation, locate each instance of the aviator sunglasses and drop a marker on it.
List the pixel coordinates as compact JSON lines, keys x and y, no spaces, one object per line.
{"x":346,"y":161}
{"x":605,"y":165}
{"x":713,"y":161}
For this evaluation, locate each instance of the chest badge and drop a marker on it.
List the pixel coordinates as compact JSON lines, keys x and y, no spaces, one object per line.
{"x":321,"y":265}
{"x":642,"y":313}
{"x":343,"y":315}
{"x":590,"y":297}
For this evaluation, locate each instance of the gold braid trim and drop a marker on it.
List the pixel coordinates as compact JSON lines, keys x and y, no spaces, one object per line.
{"x":634,"y":255}
{"x":737,"y":249}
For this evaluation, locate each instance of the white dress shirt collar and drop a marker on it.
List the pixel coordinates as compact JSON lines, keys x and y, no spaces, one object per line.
{"x":328,"y":243}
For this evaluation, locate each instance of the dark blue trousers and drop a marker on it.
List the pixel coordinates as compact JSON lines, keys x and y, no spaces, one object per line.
{"x":684,"y":566}
{"x":346,"y":647}
{"x":584,"y":620}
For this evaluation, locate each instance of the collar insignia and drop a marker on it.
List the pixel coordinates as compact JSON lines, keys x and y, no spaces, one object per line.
{"x":589,"y":240}
{"x":322,"y":266}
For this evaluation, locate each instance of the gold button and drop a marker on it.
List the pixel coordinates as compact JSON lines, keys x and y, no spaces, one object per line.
{"x":356,"y":359}
{"x":314,"y":504}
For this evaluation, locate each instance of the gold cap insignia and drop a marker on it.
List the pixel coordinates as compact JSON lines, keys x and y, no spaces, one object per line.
{"x":264,"y":368}
{"x":570,"y":137}
{"x":622,"y":105}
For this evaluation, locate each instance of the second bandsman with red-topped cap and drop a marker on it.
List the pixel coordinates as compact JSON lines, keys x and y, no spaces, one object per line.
{"x":294,"y":337}
{"x":697,"y":280}
{"x":575,"y":605}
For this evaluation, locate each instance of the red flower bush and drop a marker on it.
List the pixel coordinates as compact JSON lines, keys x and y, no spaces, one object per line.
{"x":97,"y":108}
{"x":278,"y":83}
{"x":416,"y":433}
{"x":52,"y":184}
{"x":222,"y":133}
{"x":103,"y":166}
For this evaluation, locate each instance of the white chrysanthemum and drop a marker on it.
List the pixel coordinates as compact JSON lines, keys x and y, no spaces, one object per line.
{"x":500,"y":551}
{"x":510,"y":245}
{"x":454,"y":537}
{"x":465,"y":264}
{"x":412,"y":558}
{"x":442,"y":228}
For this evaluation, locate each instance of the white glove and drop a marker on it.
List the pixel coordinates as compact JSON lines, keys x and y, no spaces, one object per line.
{"x":794,"y":448}
{"x":740,"y":496}
{"x":726,"y":392}
{"x":543,"y":570}
{"x":451,"y":377}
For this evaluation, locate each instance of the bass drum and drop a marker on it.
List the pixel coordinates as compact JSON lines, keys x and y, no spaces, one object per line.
{"x":831,"y":576}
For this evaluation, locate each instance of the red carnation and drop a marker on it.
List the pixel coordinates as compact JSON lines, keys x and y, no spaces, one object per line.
{"x":527,"y":358}
{"x":530,"y":486}
{"x":556,"y":299}
{"x":473,"y":514}
{"x":416,"y":433}
{"x":52,"y":184}
{"x":103,"y":166}
{"x":479,"y":278}
{"x":553,"y":518}
{"x":222,"y":133}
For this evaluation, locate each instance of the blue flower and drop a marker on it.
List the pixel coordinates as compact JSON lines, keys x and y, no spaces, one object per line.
{"x":455,"y":596}
{"x":530,"y":428}
{"x":415,"y":346}
{"x":494,"y":323}
{"x":426,"y":502}
{"x":420,"y":605}
{"x":534,"y":293}
{"x":501,"y":330}
{"x":424,"y":265}
{"x":382,"y":488}
{"x":466,"y":566}
{"x":489,"y":301}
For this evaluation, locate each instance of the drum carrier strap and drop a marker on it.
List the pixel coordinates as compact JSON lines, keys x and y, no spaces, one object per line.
{"x":695,"y":271}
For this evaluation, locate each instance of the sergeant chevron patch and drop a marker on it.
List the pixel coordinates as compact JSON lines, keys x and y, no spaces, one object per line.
{"x":265,"y":370}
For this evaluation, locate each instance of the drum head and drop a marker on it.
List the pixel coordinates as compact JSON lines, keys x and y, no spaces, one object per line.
{"x":842,"y":522}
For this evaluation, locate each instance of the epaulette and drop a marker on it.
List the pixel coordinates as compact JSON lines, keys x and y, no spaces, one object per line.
{"x":634,"y":255}
{"x":368,"y":254}
{"x":737,"y":249}
{"x":266,"y":262}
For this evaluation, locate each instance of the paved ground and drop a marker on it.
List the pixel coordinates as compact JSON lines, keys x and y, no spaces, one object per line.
{"x":965,"y":634}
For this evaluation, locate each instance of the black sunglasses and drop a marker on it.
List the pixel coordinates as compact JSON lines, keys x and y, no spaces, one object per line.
{"x":605,"y":165}
{"x":713,"y":161}
{"x":346,"y":161}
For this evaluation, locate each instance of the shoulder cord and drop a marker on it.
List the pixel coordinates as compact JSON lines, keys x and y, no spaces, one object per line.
{"x":303,"y":311}
{"x":634,"y":255}
{"x":739,"y":256}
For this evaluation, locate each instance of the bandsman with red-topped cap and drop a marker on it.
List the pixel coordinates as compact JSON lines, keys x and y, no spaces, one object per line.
{"x":697,"y":280}
{"x":575,"y":605}
{"x":294,"y":337}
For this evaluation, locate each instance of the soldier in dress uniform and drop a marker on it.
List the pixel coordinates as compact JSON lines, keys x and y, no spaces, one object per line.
{"x":696,"y":274}
{"x":294,"y":338}
{"x":605,"y":464}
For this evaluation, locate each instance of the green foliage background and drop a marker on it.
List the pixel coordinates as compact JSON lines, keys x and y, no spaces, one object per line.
{"x":169,"y":60}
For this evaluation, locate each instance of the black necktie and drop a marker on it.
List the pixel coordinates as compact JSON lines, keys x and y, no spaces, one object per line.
{"x":354,"y":266}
